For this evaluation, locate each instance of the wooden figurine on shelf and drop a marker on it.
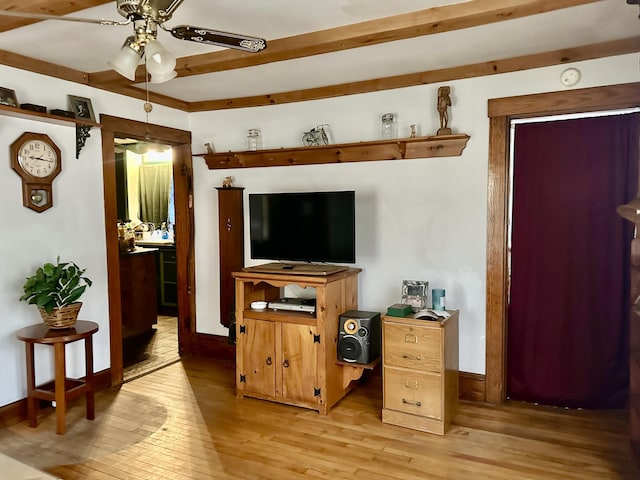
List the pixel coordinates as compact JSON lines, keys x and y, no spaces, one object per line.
{"x":444,"y":102}
{"x":227,"y":182}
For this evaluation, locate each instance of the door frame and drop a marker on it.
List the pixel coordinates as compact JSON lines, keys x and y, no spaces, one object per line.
{"x":501,"y":111}
{"x":180,"y":140}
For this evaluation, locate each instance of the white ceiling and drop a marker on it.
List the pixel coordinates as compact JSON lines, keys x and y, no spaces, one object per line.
{"x":87,"y":47}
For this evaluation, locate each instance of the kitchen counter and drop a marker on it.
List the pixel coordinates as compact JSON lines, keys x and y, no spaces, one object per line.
{"x":155,"y":243}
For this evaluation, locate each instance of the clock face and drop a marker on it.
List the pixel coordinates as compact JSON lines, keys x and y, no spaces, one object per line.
{"x":37,"y":158}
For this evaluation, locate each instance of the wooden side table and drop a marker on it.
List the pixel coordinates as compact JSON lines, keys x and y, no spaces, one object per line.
{"x":62,"y":388}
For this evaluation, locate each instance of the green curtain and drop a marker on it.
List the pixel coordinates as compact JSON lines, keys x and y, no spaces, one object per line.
{"x":155,"y":184}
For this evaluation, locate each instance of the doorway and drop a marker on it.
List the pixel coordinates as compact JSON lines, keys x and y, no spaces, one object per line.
{"x":568,"y":311}
{"x":180,"y":143}
{"x":500,"y":112}
{"x":146,"y":211}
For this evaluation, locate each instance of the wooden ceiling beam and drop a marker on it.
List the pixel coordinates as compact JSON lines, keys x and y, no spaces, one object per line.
{"x":409,"y":25}
{"x":47,"y":7}
{"x":39,"y":66}
{"x":556,"y":57}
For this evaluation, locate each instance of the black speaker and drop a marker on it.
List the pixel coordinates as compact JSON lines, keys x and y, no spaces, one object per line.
{"x":359,"y":336}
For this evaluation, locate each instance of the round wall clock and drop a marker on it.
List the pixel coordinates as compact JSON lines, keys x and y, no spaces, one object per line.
{"x":36,"y":158}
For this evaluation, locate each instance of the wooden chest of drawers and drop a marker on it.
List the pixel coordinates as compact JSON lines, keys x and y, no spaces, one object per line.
{"x":420,"y":372}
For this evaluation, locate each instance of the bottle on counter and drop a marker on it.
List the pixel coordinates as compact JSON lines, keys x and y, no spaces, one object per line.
{"x":164,"y":233}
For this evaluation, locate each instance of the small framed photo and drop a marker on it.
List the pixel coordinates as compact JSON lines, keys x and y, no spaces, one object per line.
{"x":414,"y":293}
{"x":8,"y":97}
{"x":81,"y":107}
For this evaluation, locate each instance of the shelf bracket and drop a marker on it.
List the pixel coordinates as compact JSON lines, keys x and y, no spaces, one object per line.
{"x":82,"y":133}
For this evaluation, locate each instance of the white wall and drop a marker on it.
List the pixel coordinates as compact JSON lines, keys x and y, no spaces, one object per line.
{"x":416,"y":219}
{"x":73,"y":228}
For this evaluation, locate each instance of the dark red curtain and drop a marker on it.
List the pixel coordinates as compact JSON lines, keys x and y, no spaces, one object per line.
{"x":568,"y":316}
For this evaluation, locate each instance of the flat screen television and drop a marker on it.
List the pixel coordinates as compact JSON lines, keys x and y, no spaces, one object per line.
{"x":307,"y":227}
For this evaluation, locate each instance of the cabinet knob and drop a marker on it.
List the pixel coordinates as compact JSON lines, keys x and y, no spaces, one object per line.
{"x":269,"y":361}
{"x":229,"y":224}
{"x":407,"y":402}
{"x":285,"y":364}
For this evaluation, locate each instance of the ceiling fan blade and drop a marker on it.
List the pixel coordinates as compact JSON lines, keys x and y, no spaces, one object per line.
{"x":221,"y":39}
{"x":43,"y":16}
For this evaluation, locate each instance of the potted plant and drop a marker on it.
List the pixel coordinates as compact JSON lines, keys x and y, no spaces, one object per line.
{"x":55,"y":290}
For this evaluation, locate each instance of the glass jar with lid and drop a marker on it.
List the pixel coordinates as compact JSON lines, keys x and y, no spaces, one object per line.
{"x":389,"y":126}
{"x":254,"y":139}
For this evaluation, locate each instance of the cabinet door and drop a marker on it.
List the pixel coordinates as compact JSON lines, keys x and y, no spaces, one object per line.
{"x":299,"y":363}
{"x":258,"y":356}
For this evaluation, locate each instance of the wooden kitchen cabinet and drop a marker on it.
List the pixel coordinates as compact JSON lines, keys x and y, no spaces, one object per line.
{"x":287,"y":356}
{"x":420,"y":372}
{"x":138,"y":291}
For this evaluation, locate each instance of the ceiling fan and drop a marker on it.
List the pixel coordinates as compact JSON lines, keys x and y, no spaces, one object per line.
{"x":146,"y":16}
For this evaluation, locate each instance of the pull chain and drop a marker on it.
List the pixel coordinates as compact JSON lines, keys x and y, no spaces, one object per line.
{"x":147,"y":105}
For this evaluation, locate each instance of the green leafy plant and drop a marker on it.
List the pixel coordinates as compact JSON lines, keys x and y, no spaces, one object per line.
{"x":56,"y":285}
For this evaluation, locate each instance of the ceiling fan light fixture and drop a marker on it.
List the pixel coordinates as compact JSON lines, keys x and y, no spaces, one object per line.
{"x":156,"y":78}
{"x":160,"y":63}
{"x":127,"y":59}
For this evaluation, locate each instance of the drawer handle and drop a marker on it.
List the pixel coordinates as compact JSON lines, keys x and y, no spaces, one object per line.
{"x":285,"y":364}
{"x":407,"y":402}
{"x":269,"y":362}
{"x":411,"y":357}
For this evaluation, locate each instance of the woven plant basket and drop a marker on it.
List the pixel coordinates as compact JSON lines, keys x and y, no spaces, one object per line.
{"x":61,"y":317}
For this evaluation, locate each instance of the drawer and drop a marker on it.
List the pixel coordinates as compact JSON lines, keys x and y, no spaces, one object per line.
{"x":412,"y":347}
{"x":413,"y":392}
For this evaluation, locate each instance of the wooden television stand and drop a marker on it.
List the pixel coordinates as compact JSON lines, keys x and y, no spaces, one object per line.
{"x":290,"y":356}
{"x":297,"y":268}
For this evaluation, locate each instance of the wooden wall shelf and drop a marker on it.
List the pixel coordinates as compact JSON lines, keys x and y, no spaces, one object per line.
{"x":83,"y":127}
{"x":399,"y":149}
{"x":44,"y":117}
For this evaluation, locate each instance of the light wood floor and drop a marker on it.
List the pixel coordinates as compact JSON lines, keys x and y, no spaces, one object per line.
{"x":184,"y":422}
{"x":156,"y":349}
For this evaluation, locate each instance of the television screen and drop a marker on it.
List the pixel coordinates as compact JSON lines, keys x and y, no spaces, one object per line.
{"x":309,"y":227}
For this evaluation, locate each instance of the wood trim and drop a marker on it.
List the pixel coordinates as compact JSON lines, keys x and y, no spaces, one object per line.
{"x":492,"y":67}
{"x":582,"y":99}
{"x":113,"y":127}
{"x":501,"y":111}
{"x":472,"y":386}
{"x":497,"y":218}
{"x":45,"y":68}
{"x":215,"y":346}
